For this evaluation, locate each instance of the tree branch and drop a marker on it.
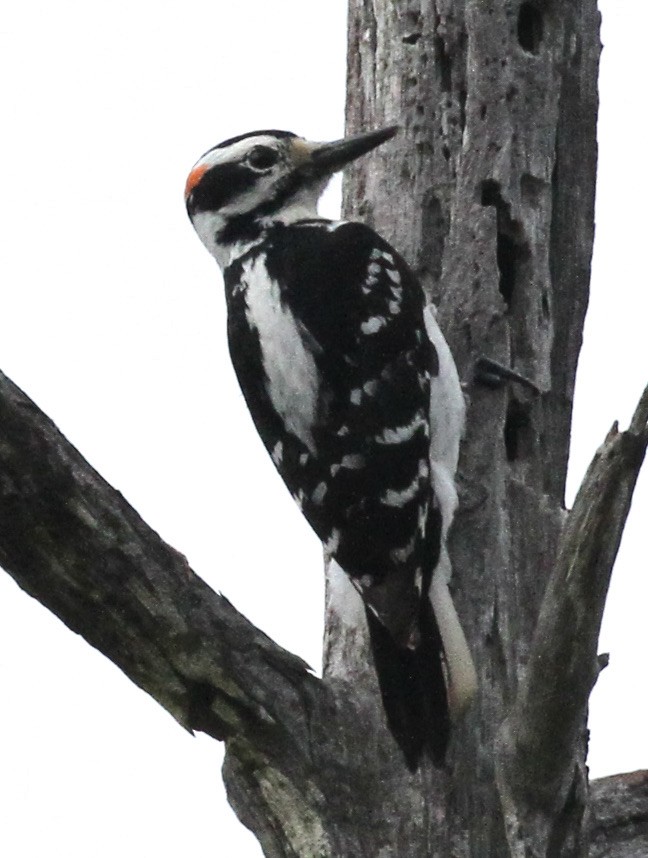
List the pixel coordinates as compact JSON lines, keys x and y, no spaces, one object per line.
{"x":620,"y":816}
{"x":539,"y":737}
{"x":72,"y":542}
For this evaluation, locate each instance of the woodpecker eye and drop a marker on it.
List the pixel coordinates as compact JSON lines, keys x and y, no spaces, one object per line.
{"x":262,"y":158}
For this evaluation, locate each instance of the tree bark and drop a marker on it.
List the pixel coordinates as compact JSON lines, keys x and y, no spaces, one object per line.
{"x":310,"y":767}
{"x":620,"y":816}
{"x":494,"y":176}
{"x":488,"y":192}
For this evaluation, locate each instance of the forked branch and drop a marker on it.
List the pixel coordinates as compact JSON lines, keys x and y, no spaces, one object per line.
{"x":539,"y":737}
{"x":72,"y":542}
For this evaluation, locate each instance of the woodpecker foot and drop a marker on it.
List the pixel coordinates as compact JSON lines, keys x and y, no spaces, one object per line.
{"x":492,"y":374}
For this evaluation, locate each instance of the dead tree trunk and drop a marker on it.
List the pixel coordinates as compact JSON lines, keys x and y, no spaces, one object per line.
{"x":489,"y":194}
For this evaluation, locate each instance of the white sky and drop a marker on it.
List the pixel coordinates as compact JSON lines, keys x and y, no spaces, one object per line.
{"x":113,"y":321}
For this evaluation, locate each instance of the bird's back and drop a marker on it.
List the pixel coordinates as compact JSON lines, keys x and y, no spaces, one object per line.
{"x":328,"y":342}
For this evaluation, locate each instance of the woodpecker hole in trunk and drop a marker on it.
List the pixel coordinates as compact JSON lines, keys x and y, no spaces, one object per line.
{"x":530,"y":27}
{"x":517,"y":427}
{"x":511,"y":251}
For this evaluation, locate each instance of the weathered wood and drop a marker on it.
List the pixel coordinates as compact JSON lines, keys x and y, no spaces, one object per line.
{"x":72,"y":542}
{"x":620,"y":816}
{"x":540,"y":743}
{"x":488,"y":192}
{"x":310,"y":767}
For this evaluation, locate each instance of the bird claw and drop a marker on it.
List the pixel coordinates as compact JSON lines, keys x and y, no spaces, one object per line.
{"x":492,"y":374}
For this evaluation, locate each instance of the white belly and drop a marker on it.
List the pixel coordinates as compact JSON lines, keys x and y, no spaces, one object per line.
{"x":292,"y":380}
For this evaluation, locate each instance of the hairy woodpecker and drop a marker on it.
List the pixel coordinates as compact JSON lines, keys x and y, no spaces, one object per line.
{"x":355,"y":395}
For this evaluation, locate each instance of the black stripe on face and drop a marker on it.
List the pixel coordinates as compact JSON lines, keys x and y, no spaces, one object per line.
{"x":247,"y":225}
{"x":219,"y":185}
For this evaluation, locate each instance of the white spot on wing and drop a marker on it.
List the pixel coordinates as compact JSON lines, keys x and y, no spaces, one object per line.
{"x":332,"y":544}
{"x":382,"y":254}
{"x":373,"y":325}
{"x":393,"y":275}
{"x":277,"y":453}
{"x":320,"y":491}
{"x":402,"y":433}
{"x":355,"y":396}
{"x":393,"y":497}
{"x":292,"y":380}
{"x":353,"y":461}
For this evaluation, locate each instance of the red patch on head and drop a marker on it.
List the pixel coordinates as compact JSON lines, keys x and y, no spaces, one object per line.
{"x":194,"y":177}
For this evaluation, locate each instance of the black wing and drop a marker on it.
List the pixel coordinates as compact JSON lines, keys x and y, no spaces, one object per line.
{"x":363,"y":483}
{"x":349,"y":433}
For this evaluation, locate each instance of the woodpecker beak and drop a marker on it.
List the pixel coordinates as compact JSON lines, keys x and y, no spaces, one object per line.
{"x":328,"y":158}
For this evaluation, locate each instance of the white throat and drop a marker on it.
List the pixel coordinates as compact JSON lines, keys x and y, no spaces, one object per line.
{"x":302,"y":206}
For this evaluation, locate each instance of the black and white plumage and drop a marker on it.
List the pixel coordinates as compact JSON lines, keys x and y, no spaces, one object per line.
{"x":355,"y":395}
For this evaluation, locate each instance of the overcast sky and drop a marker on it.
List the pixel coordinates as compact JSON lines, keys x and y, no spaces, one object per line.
{"x":112,"y":320}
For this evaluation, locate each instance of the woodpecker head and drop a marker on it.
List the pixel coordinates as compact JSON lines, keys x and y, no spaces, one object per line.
{"x":247,"y":182}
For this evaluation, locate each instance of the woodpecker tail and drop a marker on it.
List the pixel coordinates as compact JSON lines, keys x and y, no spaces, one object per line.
{"x":460,"y":674}
{"x":413,"y":688}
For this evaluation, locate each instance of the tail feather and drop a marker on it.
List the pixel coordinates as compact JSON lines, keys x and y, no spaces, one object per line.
{"x":461,"y":677}
{"x":413,"y":689}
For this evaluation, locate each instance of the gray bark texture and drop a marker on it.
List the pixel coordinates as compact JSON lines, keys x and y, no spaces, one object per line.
{"x":488,"y":192}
